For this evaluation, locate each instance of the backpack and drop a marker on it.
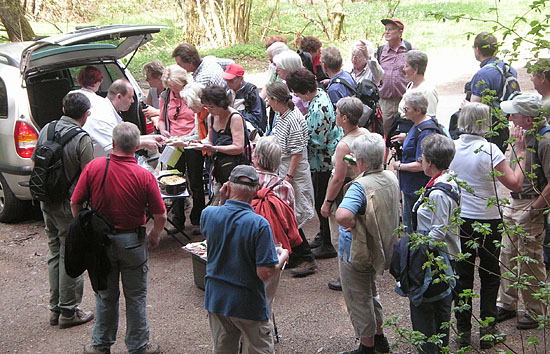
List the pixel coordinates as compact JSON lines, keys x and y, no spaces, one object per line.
{"x":48,"y":181}
{"x":510,"y":82}
{"x":367,"y":91}
{"x":408,"y":46}
{"x":438,"y":127}
{"x":541,"y":179}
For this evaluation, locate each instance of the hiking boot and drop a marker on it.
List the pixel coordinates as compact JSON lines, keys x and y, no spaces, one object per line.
{"x":305,"y":269}
{"x":381,"y":344}
{"x":90,"y":349}
{"x":54,"y":318}
{"x":149,"y":349}
{"x":503,"y":314}
{"x":335,"y":285}
{"x":464,"y":339}
{"x":317,"y":241}
{"x":525,"y":321}
{"x":293,"y":261}
{"x":79,"y":317}
{"x":324,"y":251}
{"x":362,"y":350}
{"x":196,"y":230}
{"x":488,"y":343}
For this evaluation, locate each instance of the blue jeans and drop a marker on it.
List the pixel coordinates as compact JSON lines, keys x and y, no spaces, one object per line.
{"x":408,"y":203}
{"x":128,"y":256}
{"x":427,"y":319}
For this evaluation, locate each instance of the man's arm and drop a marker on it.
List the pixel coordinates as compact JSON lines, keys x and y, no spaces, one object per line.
{"x":475,"y":98}
{"x":76,"y":208}
{"x":345,"y":218}
{"x":264,"y":273}
{"x":158,"y":226}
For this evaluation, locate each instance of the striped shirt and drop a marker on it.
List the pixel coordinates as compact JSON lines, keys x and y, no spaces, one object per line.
{"x":291,"y":131}
{"x":209,"y":72}
{"x":284,"y":190}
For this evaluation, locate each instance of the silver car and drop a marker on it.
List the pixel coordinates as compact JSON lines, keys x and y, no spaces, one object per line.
{"x":35,"y":76}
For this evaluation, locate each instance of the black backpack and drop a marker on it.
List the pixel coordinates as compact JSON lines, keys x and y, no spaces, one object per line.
{"x":48,"y":182}
{"x":368,"y":93}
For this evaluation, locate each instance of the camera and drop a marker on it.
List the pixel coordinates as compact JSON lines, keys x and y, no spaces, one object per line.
{"x":398,"y":146}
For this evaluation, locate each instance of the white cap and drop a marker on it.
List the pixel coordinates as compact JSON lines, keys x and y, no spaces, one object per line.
{"x":526,"y":104}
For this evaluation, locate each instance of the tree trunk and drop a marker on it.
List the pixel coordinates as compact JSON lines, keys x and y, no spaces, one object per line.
{"x":14,"y":21}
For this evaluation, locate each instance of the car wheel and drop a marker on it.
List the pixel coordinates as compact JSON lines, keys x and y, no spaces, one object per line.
{"x":11,"y":208}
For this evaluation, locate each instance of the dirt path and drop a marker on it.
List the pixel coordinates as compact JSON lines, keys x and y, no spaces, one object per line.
{"x":310,"y":317}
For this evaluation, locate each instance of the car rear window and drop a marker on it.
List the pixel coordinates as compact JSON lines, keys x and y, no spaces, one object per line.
{"x":3,"y":100}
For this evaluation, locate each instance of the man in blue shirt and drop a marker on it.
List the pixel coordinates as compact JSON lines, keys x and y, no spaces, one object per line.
{"x":341,"y":83}
{"x":245,"y":97}
{"x":241,"y":257}
{"x":490,"y":77}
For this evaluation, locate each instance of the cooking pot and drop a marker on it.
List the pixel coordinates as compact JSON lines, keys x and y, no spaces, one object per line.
{"x":172,"y":189}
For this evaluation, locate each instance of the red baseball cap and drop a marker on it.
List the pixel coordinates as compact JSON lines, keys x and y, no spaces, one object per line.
{"x":232,"y":71}
{"x":394,"y":21}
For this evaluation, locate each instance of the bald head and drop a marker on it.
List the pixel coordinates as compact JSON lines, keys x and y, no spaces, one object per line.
{"x":121,"y":95}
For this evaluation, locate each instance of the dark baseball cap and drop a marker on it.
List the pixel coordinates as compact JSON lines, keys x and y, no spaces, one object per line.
{"x":244,"y":171}
{"x":394,"y":21}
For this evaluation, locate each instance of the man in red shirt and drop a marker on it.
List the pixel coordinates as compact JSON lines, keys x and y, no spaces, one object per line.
{"x":128,"y":189}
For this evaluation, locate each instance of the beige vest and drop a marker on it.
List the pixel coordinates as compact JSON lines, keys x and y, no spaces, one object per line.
{"x":372,"y":238}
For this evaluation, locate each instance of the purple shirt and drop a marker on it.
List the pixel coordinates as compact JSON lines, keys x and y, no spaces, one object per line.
{"x":394,"y":83}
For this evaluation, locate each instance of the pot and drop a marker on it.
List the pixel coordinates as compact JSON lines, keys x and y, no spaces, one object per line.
{"x":172,"y":189}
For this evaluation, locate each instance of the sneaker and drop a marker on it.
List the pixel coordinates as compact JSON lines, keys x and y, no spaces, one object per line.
{"x":335,"y":285}
{"x":464,"y":339}
{"x":488,"y":343}
{"x":324,"y":251}
{"x":316,"y":242}
{"x":54,"y":318}
{"x":362,"y":350}
{"x":381,"y":344}
{"x":90,"y":349}
{"x":526,"y":322}
{"x":149,"y":349}
{"x":79,"y":317}
{"x":503,"y":314}
{"x":305,"y":269}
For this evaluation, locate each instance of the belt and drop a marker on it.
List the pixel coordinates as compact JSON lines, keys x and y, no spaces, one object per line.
{"x":516,"y":195}
{"x":125,"y":231}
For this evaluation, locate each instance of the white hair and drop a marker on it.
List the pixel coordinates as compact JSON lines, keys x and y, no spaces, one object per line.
{"x":288,"y":60}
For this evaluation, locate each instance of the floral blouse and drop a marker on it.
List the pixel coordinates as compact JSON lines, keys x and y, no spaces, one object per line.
{"x":324,"y":134}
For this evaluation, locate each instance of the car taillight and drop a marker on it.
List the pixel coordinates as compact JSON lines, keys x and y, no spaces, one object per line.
{"x":25,"y":138}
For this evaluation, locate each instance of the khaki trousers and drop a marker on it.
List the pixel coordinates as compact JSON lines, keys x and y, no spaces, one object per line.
{"x":529,"y":244}
{"x":227,"y":331}
{"x":389,"y":107}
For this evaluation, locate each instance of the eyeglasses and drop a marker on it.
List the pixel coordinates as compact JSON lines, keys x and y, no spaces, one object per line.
{"x":406,"y":109}
{"x":209,"y":106}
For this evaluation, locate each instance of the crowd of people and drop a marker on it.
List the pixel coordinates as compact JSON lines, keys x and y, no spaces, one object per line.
{"x":295,"y":148}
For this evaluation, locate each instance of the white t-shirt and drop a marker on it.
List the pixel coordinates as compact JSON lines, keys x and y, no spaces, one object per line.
{"x":474,"y":169}
{"x":431,"y":94}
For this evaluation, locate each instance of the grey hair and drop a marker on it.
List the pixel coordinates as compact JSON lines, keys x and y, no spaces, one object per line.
{"x":267,"y":153}
{"x":418,"y":60}
{"x":243,"y":188}
{"x":175,"y":74}
{"x":474,"y":119}
{"x":331,"y":57}
{"x":351,"y":107}
{"x":276,"y":48}
{"x":439,"y":150}
{"x":126,"y":137}
{"x":417,"y":100}
{"x":370,"y":148}
{"x":191,"y":93}
{"x":288,"y":60}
